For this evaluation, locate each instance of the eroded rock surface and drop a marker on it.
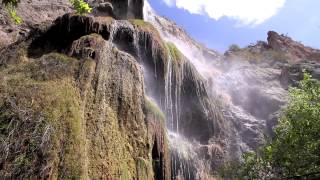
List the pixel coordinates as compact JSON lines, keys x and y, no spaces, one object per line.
{"x":82,"y":98}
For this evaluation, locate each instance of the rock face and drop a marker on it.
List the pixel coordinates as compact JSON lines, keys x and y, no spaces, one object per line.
{"x":258,"y":77}
{"x":248,"y":86}
{"x":99,"y":59}
{"x":105,"y":97}
{"x":78,"y":108}
{"x":296,"y":50}
{"x":35,"y":12}
{"x":82,"y":110}
{"x":119,"y":9}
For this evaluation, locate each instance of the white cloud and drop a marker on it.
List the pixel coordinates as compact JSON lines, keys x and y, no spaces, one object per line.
{"x":246,"y":12}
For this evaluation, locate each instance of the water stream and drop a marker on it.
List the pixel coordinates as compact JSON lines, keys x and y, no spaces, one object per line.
{"x":232,"y":86}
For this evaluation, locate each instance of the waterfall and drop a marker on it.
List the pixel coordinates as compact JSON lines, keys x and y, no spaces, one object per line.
{"x":187,"y":159}
{"x":168,"y":93}
{"x":250,"y":94}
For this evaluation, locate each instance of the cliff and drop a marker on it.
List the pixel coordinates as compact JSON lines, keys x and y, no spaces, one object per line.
{"x":78,"y":116}
{"x":81,"y":96}
{"x":111,"y":96}
{"x":73,"y":104}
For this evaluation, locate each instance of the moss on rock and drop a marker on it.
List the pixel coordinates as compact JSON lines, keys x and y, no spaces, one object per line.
{"x":41,"y":127}
{"x":154,"y":109}
{"x":79,"y":115}
{"x":174,"y":52}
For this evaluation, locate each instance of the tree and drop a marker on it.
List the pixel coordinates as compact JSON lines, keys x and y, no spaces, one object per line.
{"x":80,"y":6}
{"x":234,"y":48}
{"x":295,"y":150}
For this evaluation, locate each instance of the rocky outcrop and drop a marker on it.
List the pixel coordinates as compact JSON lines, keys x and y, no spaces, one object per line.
{"x":36,"y":12}
{"x":291,"y":75}
{"x":33,"y":13}
{"x":258,"y":77}
{"x":87,"y":107}
{"x":119,"y":9}
{"x":171,"y":32}
{"x":297,"y":51}
{"x":122,"y":136}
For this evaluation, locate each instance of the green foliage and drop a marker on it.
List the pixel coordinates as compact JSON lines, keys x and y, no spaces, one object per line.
{"x":39,"y":118}
{"x":144,"y":168}
{"x":10,"y":2}
{"x":234,"y":48}
{"x":11,"y":9}
{"x":295,"y":150}
{"x":81,"y":6}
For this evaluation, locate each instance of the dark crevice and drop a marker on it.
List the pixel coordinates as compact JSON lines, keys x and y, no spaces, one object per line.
{"x":124,"y":40}
{"x":157,"y":162}
{"x":63,"y":32}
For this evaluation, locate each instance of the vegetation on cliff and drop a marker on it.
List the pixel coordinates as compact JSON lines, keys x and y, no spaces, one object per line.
{"x":256,"y":53}
{"x":174,"y":52}
{"x":70,"y":117}
{"x":154,"y":109}
{"x":37,"y":114}
{"x":80,"y":6}
{"x":294,"y":151}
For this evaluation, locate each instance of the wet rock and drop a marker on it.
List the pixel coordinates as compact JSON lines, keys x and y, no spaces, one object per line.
{"x":292,"y":74}
{"x":118,"y":9}
{"x":110,"y":134}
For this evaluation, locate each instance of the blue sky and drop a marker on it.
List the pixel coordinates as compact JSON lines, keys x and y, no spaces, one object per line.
{"x":243,"y":24}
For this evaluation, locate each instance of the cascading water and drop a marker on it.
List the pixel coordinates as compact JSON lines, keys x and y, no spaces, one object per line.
{"x":231,"y":86}
{"x":187,"y":161}
{"x":168,"y":93}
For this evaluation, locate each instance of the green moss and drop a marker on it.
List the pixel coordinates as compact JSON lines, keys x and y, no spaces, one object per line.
{"x":57,"y":129}
{"x":53,"y":66}
{"x":21,"y":160}
{"x":43,"y":117}
{"x":59,"y":57}
{"x":124,"y":172}
{"x":138,"y":22}
{"x":154,"y":109}
{"x":174,"y":52}
{"x":145,"y":26}
{"x":64,"y":113}
{"x":144,"y":168}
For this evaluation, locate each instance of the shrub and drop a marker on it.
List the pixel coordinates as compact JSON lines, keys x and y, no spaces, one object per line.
{"x":294,"y":152}
{"x":11,"y":9}
{"x":234,"y":48}
{"x":81,"y":7}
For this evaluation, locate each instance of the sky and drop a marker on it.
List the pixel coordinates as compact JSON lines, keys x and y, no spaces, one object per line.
{"x":220,"y":23}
